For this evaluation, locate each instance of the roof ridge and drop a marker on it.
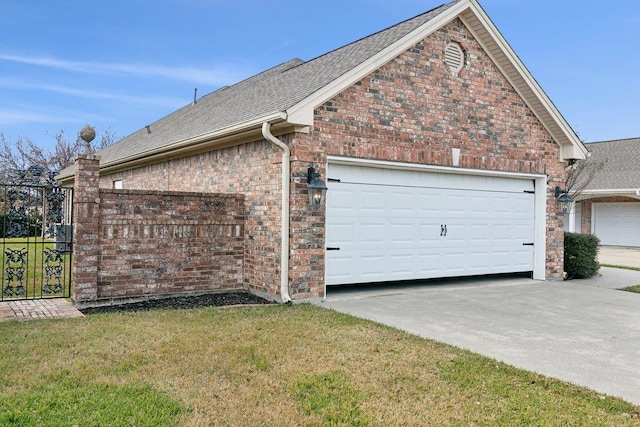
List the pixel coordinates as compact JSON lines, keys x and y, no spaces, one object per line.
{"x":613,"y":140}
{"x":371,"y":35}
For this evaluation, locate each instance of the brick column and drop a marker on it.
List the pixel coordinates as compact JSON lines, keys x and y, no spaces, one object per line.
{"x":86,"y":211}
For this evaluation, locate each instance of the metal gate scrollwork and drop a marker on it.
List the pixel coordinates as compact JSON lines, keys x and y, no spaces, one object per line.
{"x":35,"y":235}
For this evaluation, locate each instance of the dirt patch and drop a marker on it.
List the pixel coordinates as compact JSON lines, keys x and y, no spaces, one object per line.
{"x":208,"y":300}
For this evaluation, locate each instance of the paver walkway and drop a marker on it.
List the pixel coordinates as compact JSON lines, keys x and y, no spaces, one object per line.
{"x":37,"y":309}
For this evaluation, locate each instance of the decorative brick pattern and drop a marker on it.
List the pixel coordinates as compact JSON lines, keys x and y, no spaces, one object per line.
{"x":133,"y":244}
{"x":169,"y":242}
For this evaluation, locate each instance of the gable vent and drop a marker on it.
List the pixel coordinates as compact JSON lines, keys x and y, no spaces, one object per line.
{"x":454,"y":57}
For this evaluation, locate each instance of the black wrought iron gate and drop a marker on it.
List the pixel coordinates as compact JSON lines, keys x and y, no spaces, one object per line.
{"x":35,"y":236}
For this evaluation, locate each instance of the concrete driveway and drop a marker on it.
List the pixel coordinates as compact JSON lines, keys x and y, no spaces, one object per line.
{"x":619,"y":255}
{"x":578,"y":331}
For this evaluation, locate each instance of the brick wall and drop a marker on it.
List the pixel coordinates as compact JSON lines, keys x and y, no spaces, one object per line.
{"x":166,"y":242}
{"x":252,"y":170}
{"x":86,"y":216}
{"x":132,"y":244}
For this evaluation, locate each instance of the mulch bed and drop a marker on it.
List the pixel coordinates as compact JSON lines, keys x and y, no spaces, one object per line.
{"x":208,"y":300}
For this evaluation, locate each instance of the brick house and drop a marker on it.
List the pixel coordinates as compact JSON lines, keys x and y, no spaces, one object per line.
{"x":609,"y":205}
{"x":439,"y":149}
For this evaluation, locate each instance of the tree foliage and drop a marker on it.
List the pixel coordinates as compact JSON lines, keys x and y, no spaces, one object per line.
{"x":24,"y":153}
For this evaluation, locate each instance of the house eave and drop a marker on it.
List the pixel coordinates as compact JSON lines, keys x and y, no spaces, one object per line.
{"x":229,"y":136}
{"x":633,"y":193}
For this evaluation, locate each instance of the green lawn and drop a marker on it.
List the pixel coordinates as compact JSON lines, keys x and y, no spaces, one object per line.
{"x":31,"y":256}
{"x":635,"y":288}
{"x":295,"y":365}
{"x":620,"y":266}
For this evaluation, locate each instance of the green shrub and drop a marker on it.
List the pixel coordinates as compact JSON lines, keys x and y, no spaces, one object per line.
{"x":580,"y":252}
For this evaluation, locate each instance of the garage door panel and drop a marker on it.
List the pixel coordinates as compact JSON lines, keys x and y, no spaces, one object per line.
{"x":428,"y":207}
{"x":413,"y":178}
{"x":397,"y":233}
{"x":489,"y":232}
{"x":617,"y":224}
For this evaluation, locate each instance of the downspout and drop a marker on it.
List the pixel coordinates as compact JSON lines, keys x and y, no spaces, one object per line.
{"x":286,"y":186}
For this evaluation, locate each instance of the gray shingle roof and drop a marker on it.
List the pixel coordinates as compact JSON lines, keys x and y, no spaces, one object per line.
{"x":269,"y":92}
{"x":622,"y":169}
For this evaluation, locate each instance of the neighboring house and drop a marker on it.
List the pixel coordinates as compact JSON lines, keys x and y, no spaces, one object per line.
{"x":609,"y":205}
{"x":440,"y":151}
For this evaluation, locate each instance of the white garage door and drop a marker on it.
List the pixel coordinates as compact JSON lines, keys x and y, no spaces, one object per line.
{"x":388,"y":224}
{"x":617,"y":224}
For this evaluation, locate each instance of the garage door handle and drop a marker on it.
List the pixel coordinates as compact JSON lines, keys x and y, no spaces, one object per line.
{"x":527,"y":244}
{"x":333,"y":249}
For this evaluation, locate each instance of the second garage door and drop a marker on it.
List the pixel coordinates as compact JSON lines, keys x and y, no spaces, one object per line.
{"x":389,"y":224}
{"x":617,"y":224}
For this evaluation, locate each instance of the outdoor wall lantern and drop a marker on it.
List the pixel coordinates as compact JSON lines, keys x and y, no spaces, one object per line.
{"x":315,"y":187}
{"x":564,"y":200}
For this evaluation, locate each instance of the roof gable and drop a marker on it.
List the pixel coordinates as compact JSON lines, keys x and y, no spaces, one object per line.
{"x":485,"y":32}
{"x":289,"y":92}
{"x":494,"y":44}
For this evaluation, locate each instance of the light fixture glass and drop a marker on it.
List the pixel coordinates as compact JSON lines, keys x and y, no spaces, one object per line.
{"x":316,"y":188}
{"x":565,"y":201}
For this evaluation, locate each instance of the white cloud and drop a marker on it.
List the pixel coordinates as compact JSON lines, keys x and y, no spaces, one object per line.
{"x":13,"y":116}
{"x":214,"y":75}
{"x":12,"y":83}
{"x":37,"y":121}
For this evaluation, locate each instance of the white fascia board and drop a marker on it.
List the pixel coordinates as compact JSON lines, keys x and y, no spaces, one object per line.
{"x":211,"y":136}
{"x":573,"y":151}
{"x":572,"y":147}
{"x":612,"y":192}
{"x":300,"y":117}
{"x":302,"y":112}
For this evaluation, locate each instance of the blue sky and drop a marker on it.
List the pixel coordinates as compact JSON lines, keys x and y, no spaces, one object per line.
{"x":124,"y":64}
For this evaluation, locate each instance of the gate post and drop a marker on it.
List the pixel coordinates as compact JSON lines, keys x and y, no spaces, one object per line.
{"x":86,"y":212}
